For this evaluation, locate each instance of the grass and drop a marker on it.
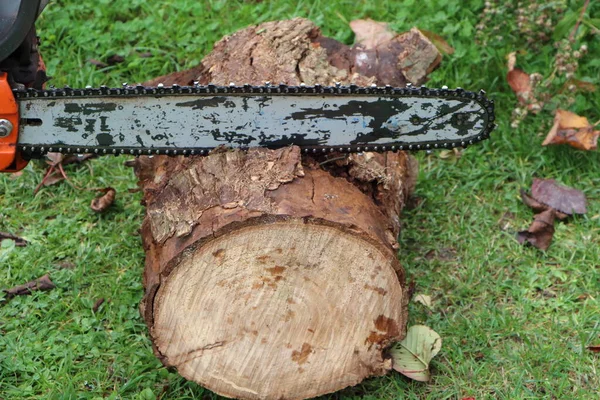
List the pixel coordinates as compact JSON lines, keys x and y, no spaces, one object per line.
{"x":515,"y":321}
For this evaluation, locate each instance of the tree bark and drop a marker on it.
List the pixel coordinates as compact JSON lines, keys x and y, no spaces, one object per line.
{"x":271,"y":274}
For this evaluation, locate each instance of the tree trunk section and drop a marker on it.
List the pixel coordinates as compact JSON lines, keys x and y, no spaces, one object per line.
{"x":271,"y":274}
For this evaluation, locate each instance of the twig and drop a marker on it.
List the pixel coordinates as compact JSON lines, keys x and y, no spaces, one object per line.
{"x":333,"y":159}
{"x":48,"y":172}
{"x":572,"y":35}
{"x":64,"y":175}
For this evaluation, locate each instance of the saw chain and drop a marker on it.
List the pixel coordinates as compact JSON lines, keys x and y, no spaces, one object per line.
{"x":193,"y":120}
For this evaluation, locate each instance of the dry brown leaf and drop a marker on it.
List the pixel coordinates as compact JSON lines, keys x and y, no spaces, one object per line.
{"x":101,"y":204}
{"x":563,"y":198}
{"x":572,"y":129}
{"x":53,"y":178}
{"x":540,"y":232}
{"x":19,"y":241}
{"x":115,"y":59}
{"x":439,"y":42}
{"x":551,"y":201}
{"x":532,"y":203}
{"x":97,"y":63}
{"x":520,"y":83}
{"x":55,"y":172}
{"x":53,"y":159}
{"x":43,"y":283}
{"x":584,"y":86}
{"x":371,"y":34}
{"x":77,"y":158}
{"x":97,"y":304}
{"x":523,"y":85}
{"x":595,"y":348}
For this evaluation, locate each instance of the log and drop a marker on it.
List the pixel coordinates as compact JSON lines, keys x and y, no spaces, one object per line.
{"x":270,"y":274}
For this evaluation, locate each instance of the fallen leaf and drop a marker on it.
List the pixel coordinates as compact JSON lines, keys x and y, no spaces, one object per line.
{"x":43,"y":283}
{"x":101,"y":204}
{"x":453,"y":153}
{"x":371,"y":34}
{"x":53,"y":178}
{"x":54,"y":159}
{"x":560,"y":197}
{"x":541,"y":231}
{"x":19,"y":242}
{"x":66,"y":265}
{"x":55,"y":172}
{"x":532,"y":203}
{"x":97,"y":304}
{"x":583,"y":297}
{"x":551,"y":201}
{"x":423,"y":299}
{"x":595,"y":348}
{"x":518,"y":80}
{"x":569,"y":128}
{"x":411,"y":357}
{"x":77,"y":158}
{"x":520,"y":84}
{"x":97,"y":63}
{"x":584,"y":86}
{"x":115,"y":59}
{"x":439,"y":42}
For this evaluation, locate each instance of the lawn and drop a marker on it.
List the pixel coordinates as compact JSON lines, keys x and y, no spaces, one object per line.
{"x":515,"y":321}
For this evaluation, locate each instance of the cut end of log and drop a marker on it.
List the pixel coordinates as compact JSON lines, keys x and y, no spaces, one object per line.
{"x":287,"y":308}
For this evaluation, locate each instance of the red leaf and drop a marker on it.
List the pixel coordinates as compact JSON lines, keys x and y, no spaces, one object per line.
{"x":520,"y":84}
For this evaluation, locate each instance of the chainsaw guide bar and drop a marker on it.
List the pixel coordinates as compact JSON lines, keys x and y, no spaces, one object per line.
{"x":193,"y":120}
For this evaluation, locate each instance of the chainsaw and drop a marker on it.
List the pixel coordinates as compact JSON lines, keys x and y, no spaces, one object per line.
{"x":193,"y":120}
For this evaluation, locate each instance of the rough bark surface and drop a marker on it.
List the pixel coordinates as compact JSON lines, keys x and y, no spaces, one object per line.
{"x":294,"y":52}
{"x":270,"y":275}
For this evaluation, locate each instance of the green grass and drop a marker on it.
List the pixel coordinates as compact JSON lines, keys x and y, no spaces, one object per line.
{"x":515,"y":321}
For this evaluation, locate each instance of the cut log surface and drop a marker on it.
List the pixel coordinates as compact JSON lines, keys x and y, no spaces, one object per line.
{"x":269,"y":274}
